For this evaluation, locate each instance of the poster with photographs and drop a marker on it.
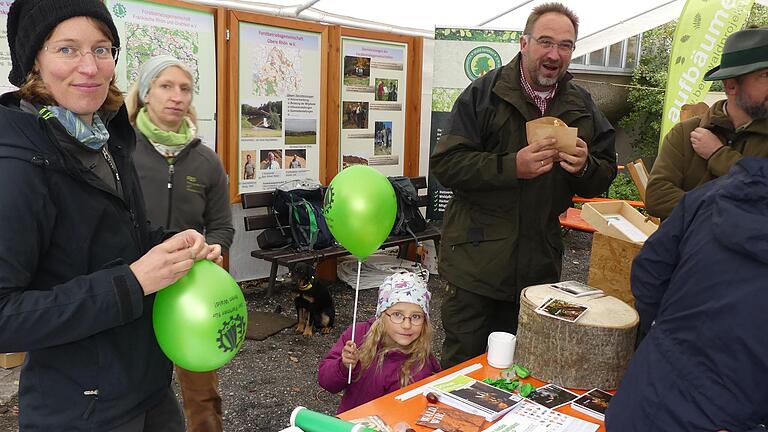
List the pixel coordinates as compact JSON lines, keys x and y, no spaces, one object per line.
{"x":148,"y":29}
{"x":372,"y":118}
{"x":279,"y":104}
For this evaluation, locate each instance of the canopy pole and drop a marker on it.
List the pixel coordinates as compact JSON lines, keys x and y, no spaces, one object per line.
{"x":504,"y":13}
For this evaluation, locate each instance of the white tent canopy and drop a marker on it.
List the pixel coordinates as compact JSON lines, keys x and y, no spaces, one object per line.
{"x":602,"y":22}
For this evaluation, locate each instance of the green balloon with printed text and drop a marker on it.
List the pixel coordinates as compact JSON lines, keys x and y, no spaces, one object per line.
{"x":200,"y":321}
{"x":360,"y":208}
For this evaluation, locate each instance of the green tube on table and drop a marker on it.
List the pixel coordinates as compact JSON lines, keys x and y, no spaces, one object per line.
{"x":311,"y":421}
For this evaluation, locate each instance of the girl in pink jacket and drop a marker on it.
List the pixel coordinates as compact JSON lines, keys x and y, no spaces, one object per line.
{"x":390,"y":350}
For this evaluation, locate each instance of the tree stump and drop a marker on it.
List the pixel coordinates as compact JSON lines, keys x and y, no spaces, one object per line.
{"x":592,"y":352}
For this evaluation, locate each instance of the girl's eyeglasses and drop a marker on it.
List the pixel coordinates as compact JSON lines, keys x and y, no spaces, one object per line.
{"x":398,"y":318}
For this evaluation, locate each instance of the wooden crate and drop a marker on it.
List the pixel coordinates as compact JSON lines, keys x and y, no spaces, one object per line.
{"x":610,"y":265}
{"x":618,"y":219}
{"x":10,"y":360}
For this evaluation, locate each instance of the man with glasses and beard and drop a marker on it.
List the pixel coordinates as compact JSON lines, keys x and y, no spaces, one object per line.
{"x":501,"y":231}
{"x":703,"y":148}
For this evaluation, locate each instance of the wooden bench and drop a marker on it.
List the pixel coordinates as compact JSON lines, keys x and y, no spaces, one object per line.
{"x":290,"y":255}
{"x":571,"y":220}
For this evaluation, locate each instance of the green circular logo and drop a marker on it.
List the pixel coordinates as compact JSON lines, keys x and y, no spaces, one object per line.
{"x":480,"y":61}
{"x":119,"y":10}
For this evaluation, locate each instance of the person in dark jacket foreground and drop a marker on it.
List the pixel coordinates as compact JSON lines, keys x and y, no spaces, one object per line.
{"x":79,"y":265}
{"x":501,"y":231}
{"x":700,"y":289}
{"x":184,"y":186}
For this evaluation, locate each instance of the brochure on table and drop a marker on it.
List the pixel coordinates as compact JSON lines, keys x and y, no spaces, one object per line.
{"x":530,"y":417}
{"x":475,"y":397}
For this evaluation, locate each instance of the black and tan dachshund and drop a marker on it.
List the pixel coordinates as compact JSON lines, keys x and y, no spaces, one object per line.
{"x":314,"y":304}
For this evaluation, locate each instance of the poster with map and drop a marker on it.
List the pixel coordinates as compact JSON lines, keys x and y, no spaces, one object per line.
{"x":148,"y":29}
{"x":279,"y":106}
{"x":5,"y":53}
{"x":373,"y":88}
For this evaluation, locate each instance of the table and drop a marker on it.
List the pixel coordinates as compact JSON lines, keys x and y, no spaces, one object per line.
{"x":394,"y":411}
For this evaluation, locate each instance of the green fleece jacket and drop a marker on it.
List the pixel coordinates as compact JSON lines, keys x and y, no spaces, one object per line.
{"x":198,"y":198}
{"x":678,"y":168}
{"x":501,"y":233}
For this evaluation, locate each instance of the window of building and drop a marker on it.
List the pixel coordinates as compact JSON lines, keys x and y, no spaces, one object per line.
{"x":597,"y":58}
{"x":632,"y":50}
{"x":615,"y":54}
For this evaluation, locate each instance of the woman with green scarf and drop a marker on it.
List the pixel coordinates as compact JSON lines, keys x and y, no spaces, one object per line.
{"x":185,"y":186}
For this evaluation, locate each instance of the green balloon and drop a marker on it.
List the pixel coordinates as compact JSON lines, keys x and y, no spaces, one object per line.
{"x":201,"y":320}
{"x":360,"y":208}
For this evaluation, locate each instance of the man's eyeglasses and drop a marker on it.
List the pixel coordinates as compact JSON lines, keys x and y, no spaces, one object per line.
{"x":398,"y":318}
{"x":74,"y":53}
{"x":565,"y":47}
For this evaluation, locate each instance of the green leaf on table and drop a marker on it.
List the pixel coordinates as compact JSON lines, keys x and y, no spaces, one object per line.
{"x":503,"y":383}
{"x":521,"y":371}
{"x":526,"y":389}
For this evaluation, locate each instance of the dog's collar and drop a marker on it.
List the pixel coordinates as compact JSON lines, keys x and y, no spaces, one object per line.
{"x":306,"y":288}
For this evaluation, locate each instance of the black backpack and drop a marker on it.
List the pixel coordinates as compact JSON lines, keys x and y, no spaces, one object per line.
{"x":300,"y":204}
{"x":409,"y":220}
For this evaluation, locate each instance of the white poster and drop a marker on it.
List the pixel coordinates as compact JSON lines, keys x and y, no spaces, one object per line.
{"x":149,"y":29}
{"x":5,"y":52}
{"x":461,"y":56}
{"x":372,"y":114}
{"x":279,"y":103}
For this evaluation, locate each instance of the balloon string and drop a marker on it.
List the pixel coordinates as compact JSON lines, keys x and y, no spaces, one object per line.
{"x":354,"y":315}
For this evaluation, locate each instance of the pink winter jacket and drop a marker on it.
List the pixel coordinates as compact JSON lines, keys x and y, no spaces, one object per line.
{"x":373,"y":383}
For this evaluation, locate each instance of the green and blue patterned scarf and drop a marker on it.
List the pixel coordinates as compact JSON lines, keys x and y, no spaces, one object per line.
{"x":93,"y":136}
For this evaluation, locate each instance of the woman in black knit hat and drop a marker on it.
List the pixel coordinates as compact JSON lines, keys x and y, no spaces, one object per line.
{"x":79,"y":265}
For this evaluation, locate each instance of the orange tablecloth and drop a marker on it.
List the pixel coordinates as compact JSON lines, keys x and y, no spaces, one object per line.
{"x":394,"y":411}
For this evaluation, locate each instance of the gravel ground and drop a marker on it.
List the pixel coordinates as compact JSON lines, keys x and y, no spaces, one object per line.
{"x":269,"y":378}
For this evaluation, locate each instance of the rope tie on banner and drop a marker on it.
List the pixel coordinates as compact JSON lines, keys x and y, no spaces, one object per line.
{"x":619,"y":85}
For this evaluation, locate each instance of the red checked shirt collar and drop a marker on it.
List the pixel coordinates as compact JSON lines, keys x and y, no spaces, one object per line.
{"x":541,"y":102}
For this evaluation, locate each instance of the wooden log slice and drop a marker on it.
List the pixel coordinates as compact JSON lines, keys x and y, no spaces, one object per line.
{"x":592,"y":352}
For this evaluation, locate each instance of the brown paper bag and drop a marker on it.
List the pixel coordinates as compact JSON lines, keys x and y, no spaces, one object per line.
{"x":545,"y":127}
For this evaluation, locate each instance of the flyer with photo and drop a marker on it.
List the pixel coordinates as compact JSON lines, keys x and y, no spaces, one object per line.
{"x":551,"y":396}
{"x":562,"y":309}
{"x":594,"y":402}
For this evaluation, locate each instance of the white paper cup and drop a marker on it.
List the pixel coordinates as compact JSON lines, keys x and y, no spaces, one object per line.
{"x":501,"y":349}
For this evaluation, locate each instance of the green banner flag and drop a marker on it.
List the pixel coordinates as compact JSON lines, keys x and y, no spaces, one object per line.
{"x":698,"y":44}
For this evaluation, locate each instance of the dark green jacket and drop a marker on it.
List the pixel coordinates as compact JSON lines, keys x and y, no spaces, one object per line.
{"x":679,"y":169}
{"x":500,"y":233}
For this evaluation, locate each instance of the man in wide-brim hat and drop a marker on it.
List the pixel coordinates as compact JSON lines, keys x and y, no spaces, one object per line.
{"x":700,"y":149}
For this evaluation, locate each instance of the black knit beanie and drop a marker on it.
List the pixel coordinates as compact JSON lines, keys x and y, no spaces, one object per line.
{"x":31,"y":21}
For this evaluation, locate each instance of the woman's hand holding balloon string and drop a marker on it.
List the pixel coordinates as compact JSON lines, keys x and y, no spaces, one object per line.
{"x":167,"y":262}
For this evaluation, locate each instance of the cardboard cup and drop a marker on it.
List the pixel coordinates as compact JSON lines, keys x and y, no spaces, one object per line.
{"x":544,"y":127}
{"x":501,"y":349}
